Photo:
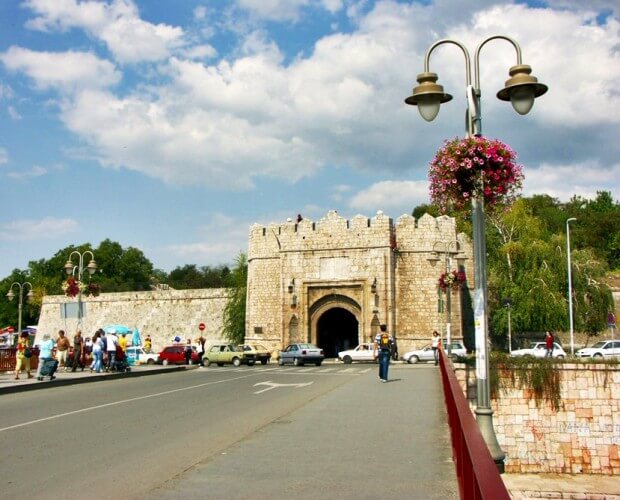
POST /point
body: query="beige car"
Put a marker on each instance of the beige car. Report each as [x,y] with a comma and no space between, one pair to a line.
[261,353]
[221,354]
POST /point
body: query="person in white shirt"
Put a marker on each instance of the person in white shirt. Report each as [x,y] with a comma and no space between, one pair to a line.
[111,343]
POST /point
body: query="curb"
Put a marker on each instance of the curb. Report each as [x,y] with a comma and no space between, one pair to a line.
[85,380]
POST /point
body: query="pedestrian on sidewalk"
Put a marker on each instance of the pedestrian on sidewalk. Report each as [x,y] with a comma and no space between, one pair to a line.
[549,344]
[201,349]
[97,362]
[188,352]
[62,348]
[111,341]
[22,356]
[78,351]
[46,349]
[383,351]
[436,345]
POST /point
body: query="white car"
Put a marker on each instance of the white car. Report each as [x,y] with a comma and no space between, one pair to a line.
[602,349]
[427,353]
[137,356]
[538,350]
[363,352]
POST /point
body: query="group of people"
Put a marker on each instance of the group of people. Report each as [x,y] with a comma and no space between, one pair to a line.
[101,352]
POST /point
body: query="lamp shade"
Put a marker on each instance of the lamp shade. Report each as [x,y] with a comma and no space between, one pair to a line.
[521,89]
[428,96]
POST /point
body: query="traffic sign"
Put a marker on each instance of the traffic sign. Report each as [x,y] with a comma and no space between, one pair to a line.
[202,326]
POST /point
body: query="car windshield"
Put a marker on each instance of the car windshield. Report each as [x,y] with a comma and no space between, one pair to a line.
[306,346]
[598,345]
[260,347]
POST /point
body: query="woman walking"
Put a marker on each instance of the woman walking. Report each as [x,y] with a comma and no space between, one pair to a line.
[97,362]
[22,357]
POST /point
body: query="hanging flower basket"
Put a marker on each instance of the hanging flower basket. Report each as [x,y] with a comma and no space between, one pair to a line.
[71,287]
[452,280]
[474,166]
[93,290]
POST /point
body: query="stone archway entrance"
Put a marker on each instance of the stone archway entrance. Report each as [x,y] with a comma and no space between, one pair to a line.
[336,330]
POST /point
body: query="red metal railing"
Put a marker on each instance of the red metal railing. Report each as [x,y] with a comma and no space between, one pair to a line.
[476,471]
[7,359]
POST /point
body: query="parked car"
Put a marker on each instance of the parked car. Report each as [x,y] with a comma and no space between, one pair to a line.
[363,352]
[427,354]
[299,354]
[538,350]
[175,355]
[603,349]
[222,354]
[137,356]
[261,353]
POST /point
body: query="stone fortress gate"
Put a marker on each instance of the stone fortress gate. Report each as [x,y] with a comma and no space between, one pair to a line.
[333,282]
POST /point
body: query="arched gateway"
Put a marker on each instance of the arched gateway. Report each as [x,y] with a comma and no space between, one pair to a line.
[334,281]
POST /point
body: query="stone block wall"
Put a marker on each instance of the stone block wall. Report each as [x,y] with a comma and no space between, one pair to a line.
[162,314]
[583,436]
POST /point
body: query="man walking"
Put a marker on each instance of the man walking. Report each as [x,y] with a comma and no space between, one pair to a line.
[62,347]
[78,351]
[383,350]
[111,341]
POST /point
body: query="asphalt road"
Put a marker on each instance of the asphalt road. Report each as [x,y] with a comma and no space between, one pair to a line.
[203,433]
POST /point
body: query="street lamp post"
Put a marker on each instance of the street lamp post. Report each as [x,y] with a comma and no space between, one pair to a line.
[20,302]
[508,306]
[449,248]
[521,89]
[71,269]
[570,286]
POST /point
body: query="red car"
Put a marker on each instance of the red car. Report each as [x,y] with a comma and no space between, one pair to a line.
[175,355]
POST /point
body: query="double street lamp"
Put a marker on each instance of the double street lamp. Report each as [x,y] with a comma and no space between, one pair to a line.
[521,89]
[448,249]
[71,270]
[570,287]
[11,295]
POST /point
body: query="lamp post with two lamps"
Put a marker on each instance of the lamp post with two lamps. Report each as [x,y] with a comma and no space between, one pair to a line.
[570,287]
[521,89]
[10,295]
[71,269]
[448,249]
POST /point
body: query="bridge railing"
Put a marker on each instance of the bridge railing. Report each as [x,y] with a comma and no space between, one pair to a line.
[476,471]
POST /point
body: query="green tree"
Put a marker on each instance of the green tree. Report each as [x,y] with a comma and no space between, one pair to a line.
[234,313]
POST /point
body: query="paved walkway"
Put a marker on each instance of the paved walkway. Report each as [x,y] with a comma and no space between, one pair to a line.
[333,413]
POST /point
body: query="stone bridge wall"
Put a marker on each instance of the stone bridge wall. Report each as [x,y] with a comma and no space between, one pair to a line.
[582,437]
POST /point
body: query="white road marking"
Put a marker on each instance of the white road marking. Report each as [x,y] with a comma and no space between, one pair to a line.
[116,403]
[272,385]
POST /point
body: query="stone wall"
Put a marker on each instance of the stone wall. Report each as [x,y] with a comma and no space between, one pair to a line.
[583,436]
[162,314]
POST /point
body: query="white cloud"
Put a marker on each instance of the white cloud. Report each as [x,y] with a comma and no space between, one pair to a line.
[33,230]
[4,156]
[391,197]
[564,181]
[200,12]
[35,171]
[260,114]
[116,23]
[13,113]
[64,71]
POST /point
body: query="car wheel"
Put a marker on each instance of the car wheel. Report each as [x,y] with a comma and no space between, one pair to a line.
[206,361]
[150,362]
[263,361]
[597,355]
[413,360]
[560,356]
[280,361]
[318,363]
[165,362]
[298,362]
[347,360]
[236,362]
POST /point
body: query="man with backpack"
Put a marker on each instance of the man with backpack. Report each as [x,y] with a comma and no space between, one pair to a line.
[383,350]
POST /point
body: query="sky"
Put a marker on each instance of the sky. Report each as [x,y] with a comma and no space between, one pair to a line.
[174,125]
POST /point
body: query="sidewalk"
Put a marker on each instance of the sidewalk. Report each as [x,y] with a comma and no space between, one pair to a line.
[8,384]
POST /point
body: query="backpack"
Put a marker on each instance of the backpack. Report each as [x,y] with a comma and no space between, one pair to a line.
[384,341]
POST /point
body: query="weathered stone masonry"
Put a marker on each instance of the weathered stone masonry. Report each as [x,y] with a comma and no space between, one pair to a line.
[376,270]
